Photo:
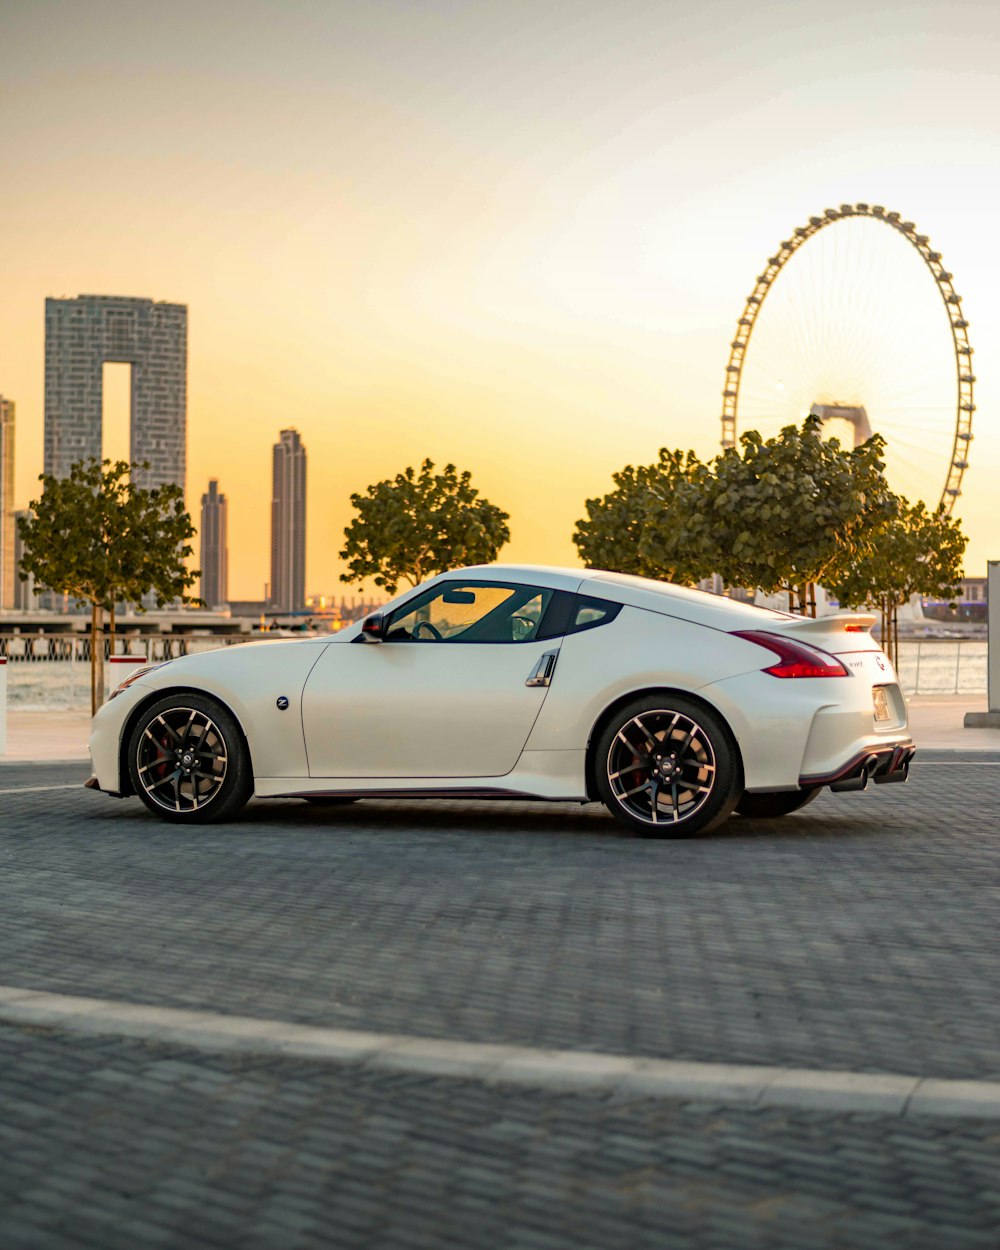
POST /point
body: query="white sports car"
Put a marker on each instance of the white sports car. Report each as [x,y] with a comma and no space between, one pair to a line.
[671,706]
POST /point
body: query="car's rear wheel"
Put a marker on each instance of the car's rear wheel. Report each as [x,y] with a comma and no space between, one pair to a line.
[188,761]
[668,767]
[768,806]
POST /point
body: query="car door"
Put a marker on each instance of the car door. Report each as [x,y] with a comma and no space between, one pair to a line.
[453,690]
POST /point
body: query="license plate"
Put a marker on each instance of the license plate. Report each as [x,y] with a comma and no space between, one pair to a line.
[883,709]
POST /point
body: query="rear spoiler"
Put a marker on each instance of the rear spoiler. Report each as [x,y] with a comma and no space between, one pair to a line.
[841,622]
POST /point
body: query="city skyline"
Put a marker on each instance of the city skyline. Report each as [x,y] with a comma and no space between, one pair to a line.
[8,559]
[287,586]
[84,334]
[213,533]
[471,254]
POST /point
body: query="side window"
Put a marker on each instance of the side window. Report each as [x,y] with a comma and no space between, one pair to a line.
[471,612]
[527,618]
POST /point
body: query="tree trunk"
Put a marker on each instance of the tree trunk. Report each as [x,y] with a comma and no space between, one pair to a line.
[111,631]
[811,592]
[885,611]
[96,657]
[895,634]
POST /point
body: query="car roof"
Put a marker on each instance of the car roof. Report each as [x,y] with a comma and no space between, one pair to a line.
[639,592]
[547,575]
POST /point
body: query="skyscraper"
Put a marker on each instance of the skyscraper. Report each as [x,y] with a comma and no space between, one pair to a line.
[214,548]
[288,523]
[24,592]
[81,335]
[8,573]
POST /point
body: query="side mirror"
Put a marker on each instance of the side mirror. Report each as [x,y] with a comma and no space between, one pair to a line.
[373,628]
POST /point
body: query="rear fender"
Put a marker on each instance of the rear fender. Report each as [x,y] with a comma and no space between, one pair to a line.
[623,701]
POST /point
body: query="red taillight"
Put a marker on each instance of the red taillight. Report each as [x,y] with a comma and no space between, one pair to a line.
[795,659]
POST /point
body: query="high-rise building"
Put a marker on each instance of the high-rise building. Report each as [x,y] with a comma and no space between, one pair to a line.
[8,567]
[288,524]
[214,548]
[81,335]
[24,592]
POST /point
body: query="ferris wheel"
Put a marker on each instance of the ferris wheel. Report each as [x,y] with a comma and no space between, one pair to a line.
[854,334]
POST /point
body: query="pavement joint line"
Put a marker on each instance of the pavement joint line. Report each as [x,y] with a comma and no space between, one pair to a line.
[13,761]
[568,1071]
[75,785]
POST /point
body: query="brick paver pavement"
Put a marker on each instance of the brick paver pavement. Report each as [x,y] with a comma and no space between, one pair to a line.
[115,1145]
[860,934]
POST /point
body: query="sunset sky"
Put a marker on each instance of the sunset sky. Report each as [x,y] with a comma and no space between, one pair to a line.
[513,235]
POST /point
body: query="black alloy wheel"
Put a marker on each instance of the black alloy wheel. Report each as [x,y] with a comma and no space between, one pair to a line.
[775,803]
[188,761]
[668,767]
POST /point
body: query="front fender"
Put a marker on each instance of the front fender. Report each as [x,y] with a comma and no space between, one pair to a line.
[247,679]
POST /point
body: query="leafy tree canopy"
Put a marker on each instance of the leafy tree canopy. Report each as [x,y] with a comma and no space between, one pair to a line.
[788,511]
[414,526]
[920,553]
[638,527]
[96,536]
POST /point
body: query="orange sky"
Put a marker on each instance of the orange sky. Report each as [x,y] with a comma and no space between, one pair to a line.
[512,235]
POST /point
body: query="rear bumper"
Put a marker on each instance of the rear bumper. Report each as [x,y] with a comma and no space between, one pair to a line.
[882,764]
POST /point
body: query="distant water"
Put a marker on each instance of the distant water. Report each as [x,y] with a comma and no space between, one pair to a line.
[926,666]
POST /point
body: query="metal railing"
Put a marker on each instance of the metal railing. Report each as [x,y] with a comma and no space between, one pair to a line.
[942,665]
[53,671]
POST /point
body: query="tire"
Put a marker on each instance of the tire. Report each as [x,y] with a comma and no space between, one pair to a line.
[188,761]
[667,767]
[776,803]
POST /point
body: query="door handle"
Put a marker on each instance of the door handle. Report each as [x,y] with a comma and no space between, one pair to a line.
[541,674]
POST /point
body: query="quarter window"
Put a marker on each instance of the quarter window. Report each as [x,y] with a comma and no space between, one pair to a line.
[572,614]
[591,612]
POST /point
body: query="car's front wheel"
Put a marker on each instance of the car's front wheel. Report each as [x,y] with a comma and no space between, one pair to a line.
[188,761]
[668,767]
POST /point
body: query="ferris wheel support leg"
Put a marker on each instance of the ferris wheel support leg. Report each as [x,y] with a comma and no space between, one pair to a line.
[991,718]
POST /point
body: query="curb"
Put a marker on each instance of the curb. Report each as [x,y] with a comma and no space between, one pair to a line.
[567,1071]
[965,755]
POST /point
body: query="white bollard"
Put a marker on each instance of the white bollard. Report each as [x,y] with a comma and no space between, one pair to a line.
[117,668]
[3,705]
[990,719]
[993,645]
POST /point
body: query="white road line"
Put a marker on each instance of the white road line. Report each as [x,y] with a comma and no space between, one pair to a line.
[565,1070]
[73,785]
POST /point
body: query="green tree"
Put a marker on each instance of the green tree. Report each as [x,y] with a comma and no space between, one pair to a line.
[784,513]
[411,527]
[920,552]
[639,526]
[97,537]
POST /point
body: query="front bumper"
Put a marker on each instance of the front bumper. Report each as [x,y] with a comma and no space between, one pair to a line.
[105,741]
